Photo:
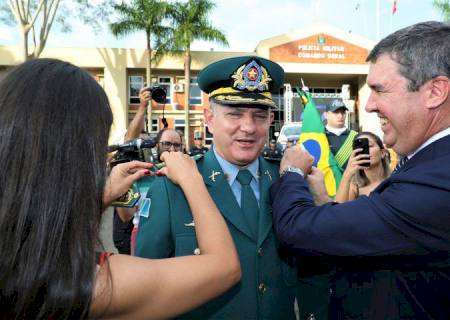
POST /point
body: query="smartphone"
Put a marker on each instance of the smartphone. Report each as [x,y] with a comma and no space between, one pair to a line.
[362,143]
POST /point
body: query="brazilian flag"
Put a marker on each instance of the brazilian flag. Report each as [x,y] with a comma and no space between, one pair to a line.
[315,141]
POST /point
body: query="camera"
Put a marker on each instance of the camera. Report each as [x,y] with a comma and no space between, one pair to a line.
[158,93]
[131,150]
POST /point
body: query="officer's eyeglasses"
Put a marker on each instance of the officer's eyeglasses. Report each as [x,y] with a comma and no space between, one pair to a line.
[168,144]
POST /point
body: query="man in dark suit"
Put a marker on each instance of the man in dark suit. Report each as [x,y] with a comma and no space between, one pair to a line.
[392,248]
[238,180]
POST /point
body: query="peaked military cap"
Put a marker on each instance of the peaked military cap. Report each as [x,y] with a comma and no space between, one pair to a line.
[335,105]
[247,80]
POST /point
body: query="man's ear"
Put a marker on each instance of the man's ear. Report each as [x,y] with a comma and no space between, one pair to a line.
[271,116]
[208,115]
[437,91]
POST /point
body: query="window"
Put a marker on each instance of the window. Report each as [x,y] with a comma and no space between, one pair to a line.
[155,125]
[195,94]
[165,82]
[208,137]
[135,84]
[179,125]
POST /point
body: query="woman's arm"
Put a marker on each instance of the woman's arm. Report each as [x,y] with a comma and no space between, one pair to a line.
[345,192]
[164,288]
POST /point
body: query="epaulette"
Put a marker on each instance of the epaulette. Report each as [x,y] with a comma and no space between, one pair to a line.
[198,157]
[273,160]
[163,164]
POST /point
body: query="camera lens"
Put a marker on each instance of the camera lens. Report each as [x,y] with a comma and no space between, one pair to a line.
[158,94]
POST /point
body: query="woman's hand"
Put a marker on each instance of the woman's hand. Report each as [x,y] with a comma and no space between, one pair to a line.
[121,178]
[356,162]
[179,167]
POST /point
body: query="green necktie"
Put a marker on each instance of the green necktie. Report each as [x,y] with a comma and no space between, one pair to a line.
[249,204]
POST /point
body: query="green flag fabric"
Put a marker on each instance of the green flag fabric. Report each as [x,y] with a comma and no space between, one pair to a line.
[314,140]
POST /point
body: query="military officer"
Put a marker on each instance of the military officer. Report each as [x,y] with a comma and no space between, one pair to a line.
[238,180]
[198,147]
[272,152]
[340,138]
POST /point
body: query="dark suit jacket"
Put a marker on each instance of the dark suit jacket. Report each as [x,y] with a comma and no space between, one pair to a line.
[391,248]
[267,287]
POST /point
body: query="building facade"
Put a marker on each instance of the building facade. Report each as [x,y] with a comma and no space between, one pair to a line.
[329,61]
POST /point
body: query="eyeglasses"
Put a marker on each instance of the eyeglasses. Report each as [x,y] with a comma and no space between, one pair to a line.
[168,144]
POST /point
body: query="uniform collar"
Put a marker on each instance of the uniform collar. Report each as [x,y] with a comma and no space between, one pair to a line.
[231,170]
[336,131]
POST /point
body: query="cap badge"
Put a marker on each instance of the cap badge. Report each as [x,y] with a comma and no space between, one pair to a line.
[251,77]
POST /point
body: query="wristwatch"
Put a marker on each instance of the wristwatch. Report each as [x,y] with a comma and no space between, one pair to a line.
[292,169]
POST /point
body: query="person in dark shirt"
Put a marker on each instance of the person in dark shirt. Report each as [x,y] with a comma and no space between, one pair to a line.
[198,147]
[272,152]
[339,137]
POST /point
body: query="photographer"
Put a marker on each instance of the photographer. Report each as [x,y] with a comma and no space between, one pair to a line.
[123,217]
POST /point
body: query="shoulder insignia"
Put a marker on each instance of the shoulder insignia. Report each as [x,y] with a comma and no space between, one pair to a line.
[198,156]
[213,175]
[192,224]
[267,173]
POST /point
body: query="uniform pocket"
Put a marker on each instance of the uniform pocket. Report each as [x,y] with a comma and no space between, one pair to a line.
[186,245]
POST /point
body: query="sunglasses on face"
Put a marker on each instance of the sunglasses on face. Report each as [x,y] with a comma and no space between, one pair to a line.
[168,144]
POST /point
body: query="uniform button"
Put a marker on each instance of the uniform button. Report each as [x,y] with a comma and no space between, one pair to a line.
[197,251]
[260,252]
[262,288]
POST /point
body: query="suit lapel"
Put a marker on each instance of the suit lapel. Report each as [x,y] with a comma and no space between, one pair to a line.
[267,176]
[220,191]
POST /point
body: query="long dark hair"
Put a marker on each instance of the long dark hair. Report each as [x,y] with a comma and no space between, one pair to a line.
[54,126]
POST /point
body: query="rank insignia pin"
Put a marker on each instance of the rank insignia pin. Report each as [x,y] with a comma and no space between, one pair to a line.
[213,175]
[267,173]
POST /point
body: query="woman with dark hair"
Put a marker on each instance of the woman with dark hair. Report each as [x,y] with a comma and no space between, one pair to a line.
[360,179]
[54,127]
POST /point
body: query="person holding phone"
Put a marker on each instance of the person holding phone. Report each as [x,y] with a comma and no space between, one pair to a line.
[367,167]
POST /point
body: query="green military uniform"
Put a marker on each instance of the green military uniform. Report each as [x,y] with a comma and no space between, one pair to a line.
[267,287]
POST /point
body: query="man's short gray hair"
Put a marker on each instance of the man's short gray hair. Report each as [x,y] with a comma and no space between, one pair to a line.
[421,50]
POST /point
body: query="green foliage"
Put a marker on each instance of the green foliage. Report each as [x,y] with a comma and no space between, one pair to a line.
[444,7]
[36,18]
[144,15]
[191,23]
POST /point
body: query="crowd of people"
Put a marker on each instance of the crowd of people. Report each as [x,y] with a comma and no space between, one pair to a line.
[239,230]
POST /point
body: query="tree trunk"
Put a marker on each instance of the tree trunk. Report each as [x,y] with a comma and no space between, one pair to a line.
[187,90]
[149,81]
[25,44]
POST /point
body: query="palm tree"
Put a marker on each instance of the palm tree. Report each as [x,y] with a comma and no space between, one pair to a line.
[148,16]
[444,7]
[190,23]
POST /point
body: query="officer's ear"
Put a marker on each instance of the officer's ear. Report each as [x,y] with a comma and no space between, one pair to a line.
[208,115]
[272,116]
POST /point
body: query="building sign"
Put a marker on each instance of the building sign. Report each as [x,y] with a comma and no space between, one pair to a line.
[319,48]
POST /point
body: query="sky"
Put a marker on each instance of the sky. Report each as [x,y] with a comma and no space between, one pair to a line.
[246,22]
